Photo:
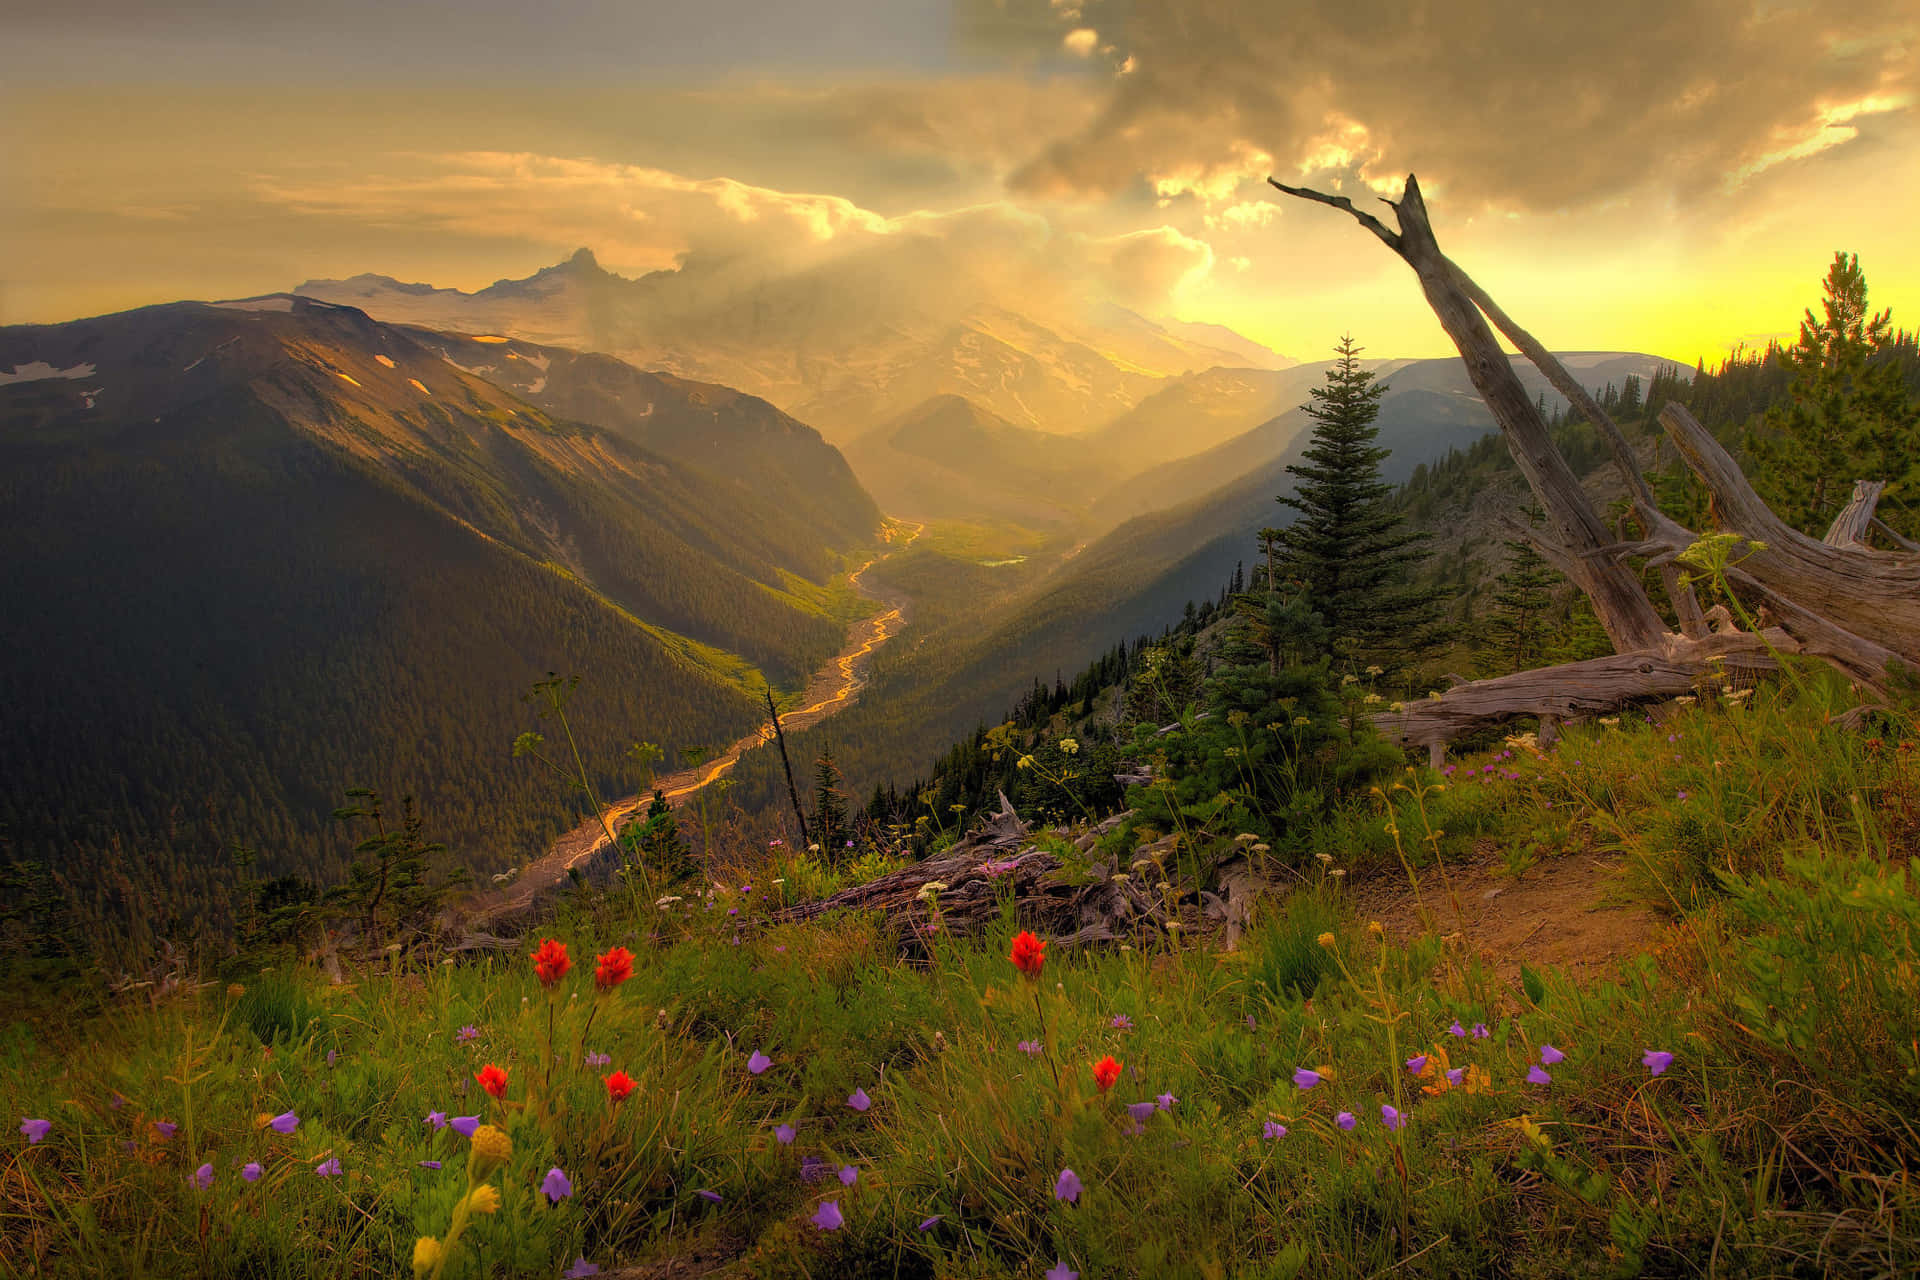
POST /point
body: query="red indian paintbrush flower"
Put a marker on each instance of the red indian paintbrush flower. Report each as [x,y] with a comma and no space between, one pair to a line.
[492,1079]
[613,968]
[1105,1072]
[619,1085]
[550,962]
[1029,953]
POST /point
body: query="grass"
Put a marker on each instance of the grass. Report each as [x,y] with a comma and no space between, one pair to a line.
[1780,1141]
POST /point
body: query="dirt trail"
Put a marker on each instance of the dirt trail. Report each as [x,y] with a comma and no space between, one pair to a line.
[833,688]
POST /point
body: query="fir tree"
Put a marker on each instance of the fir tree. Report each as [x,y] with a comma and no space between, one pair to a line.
[1516,631]
[1349,546]
[831,828]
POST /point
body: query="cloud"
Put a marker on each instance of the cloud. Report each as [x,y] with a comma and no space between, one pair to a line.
[1532,107]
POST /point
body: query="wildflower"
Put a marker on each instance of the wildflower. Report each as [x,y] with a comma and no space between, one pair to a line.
[333,1056]
[612,969]
[1273,1130]
[1456,1075]
[1656,1061]
[1029,953]
[619,1085]
[550,962]
[1067,1187]
[812,1169]
[1069,746]
[467,1034]
[1538,1075]
[848,1175]
[1121,1022]
[1251,1024]
[1550,1055]
[35,1130]
[1060,1271]
[203,1177]
[1165,1102]
[1480,1031]
[581,1268]
[828,1217]
[859,1100]
[1392,1117]
[491,1149]
[1457,1030]
[1141,1113]
[1119,877]
[1174,926]
[164,1129]
[1030,1046]
[1680,795]
[1327,940]
[492,1079]
[426,1256]
[1346,1121]
[1305,1078]
[1417,1063]
[928,1224]
[1105,1072]
[598,1059]
[251,1171]
[465,1126]
[285,1122]
[711,1197]
[484,1198]
[329,1168]
[784,1134]
[555,1185]
[428,1164]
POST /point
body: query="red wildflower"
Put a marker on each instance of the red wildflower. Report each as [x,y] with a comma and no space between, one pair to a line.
[492,1079]
[613,968]
[1029,953]
[1105,1072]
[550,962]
[619,1085]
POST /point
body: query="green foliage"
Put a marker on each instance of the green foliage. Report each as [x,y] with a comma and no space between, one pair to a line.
[1515,633]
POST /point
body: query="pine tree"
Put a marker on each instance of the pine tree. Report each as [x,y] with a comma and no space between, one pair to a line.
[1349,546]
[831,827]
[1849,417]
[1516,631]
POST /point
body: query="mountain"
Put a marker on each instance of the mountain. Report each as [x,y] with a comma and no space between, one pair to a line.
[261,551]
[847,345]
[949,458]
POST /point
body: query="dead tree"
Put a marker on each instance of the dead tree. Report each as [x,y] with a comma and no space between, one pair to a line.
[1855,607]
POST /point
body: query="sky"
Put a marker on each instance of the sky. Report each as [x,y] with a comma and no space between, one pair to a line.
[1669,176]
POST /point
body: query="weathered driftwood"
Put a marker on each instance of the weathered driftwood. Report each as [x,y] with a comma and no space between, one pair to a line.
[1849,528]
[998,859]
[1857,608]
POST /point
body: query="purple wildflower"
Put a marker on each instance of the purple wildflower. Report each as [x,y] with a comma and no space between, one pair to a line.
[329,1168]
[1550,1055]
[35,1130]
[165,1128]
[580,1270]
[429,1164]
[465,1125]
[928,1224]
[1272,1130]
[827,1217]
[333,1056]
[759,1062]
[1029,1046]
[556,1186]
[812,1169]
[1656,1061]
[203,1177]
[1455,1076]
[1392,1116]
[1121,1022]
[1165,1101]
[1141,1113]
[784,1134]
[438,1119]
[1346,1121]
[467,1034]
[1680,795]
[848,1175]
[1067,1187]
[285,1122]
[1251,1024]
[711,1197]
[1060,1271]
[1417,1063]
[1480,1031]
[598,1059]
[859,1100]
[1305,1078]
[1457,1030]
[1538,1075]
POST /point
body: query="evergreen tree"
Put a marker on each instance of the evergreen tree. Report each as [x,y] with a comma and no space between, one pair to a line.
[1516,631]
[831,826]
[1849,416]
[1349,546]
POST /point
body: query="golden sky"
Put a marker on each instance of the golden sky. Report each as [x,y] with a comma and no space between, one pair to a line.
[1669,177]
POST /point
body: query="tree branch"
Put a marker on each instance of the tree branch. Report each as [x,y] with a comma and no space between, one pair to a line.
[1366,220]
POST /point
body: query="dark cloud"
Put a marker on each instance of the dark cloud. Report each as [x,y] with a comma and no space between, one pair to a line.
[1532,106]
